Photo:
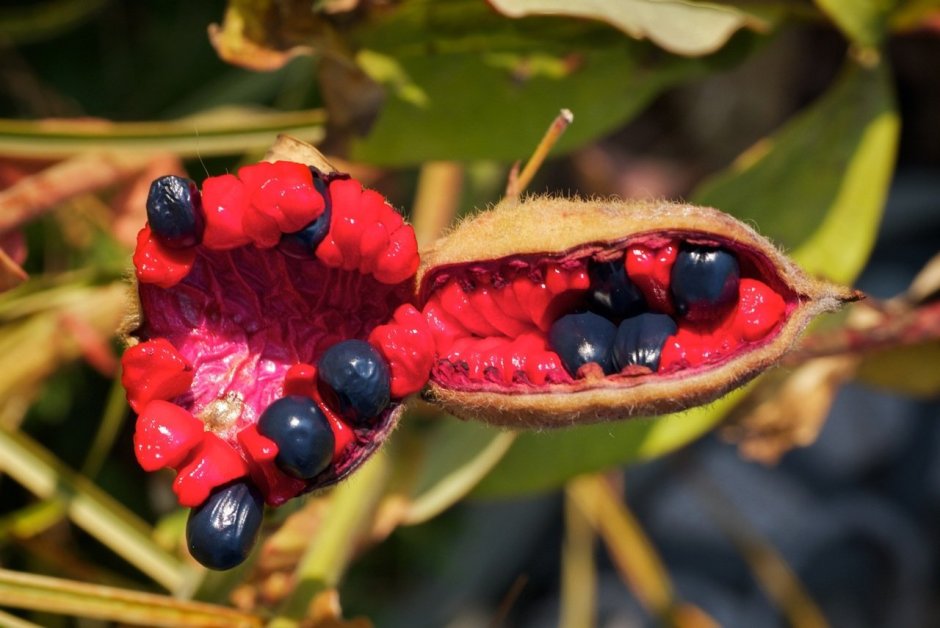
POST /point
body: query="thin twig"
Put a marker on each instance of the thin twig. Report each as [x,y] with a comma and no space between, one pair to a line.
[555,130]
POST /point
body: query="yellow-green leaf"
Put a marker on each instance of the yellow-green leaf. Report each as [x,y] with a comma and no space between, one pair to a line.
[819,184]
[680,26]
[55,595]
[540,461]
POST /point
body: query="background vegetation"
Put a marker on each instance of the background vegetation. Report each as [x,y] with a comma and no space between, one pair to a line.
[795,116]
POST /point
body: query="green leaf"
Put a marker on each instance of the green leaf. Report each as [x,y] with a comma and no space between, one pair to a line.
[863,21]
[819,184]
[679,26]
[496,106]
[55,595]
[541,461]
[458,455]
[222,131]
[89,507]
[913,370]
[463,82]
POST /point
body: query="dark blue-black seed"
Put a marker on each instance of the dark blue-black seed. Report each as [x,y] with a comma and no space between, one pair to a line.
[302,433]
[612,293]
[221,532]
[302,244]
[640,340]
[704,280]
[357,378]
[174,211]
[579,339]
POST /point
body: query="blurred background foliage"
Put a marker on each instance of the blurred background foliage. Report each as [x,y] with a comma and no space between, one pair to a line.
[815,121]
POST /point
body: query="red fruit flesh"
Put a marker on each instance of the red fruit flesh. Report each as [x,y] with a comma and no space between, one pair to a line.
[489,321]
[240,325]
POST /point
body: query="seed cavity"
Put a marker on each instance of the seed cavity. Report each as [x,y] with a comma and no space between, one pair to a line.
[652,305]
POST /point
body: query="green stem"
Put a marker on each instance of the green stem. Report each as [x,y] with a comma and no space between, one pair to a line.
[351,511]
[90,508]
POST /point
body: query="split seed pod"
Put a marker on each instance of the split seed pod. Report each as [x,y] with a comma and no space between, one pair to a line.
[284,263]
[479,286]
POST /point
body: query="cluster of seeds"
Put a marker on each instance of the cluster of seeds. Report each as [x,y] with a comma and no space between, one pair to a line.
[652,305]
[284,318]
[273,355]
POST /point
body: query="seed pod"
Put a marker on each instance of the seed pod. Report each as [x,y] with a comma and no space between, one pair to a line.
[492,287]
[292,259]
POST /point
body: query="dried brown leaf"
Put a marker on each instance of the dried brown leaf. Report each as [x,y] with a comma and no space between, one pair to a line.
[793,414]
[38,193]
[263,36]
[11,273]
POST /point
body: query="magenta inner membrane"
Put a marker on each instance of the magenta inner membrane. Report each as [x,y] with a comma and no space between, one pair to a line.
[243,317]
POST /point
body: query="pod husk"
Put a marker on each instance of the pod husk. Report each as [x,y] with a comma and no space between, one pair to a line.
[549,226]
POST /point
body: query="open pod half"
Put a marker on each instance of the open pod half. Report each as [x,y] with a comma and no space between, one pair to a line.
[551,312]
[263,355]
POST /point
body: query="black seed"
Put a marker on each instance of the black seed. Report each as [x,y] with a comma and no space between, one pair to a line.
[174,211]
[302,433]
[221,532]
[640,340]
[302,244]
[703,281]
[612,293]
[354,374]
[579,339]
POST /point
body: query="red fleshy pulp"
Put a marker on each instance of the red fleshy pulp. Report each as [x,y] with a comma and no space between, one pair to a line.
[213,463]
[240,324]
[160,265]
[154,370]
[165,435]
[489,322]
[649,267]
[404,344]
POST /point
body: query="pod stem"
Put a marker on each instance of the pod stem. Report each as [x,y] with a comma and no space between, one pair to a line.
[519,181]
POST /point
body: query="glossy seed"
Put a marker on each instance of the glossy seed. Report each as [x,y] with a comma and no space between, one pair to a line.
[302,244]
[221,532]
[640,340]
[174,211]
[357,378]
[612,293]
[302,433]
[704,281]
[580,339]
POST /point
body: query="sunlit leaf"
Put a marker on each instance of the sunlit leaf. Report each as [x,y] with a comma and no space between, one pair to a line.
[819,184]
[540,461]
[55,595]
[490,107]
[471,84]
[680,26]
